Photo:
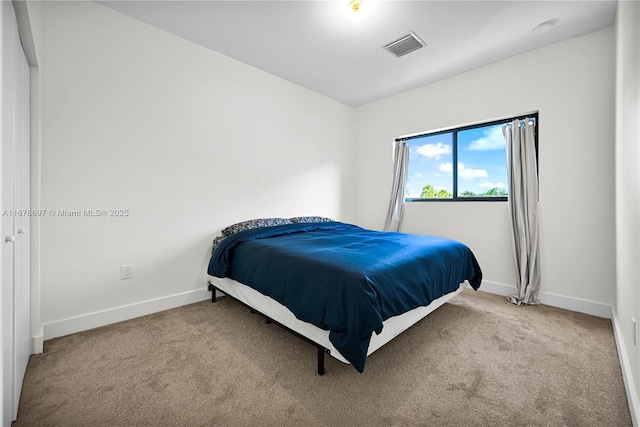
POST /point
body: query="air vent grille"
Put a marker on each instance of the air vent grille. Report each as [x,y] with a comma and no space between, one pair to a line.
[405,44]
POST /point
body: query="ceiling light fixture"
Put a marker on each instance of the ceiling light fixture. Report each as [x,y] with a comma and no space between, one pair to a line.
[355,5]
[545,27]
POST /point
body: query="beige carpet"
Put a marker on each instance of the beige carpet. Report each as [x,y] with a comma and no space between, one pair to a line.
[476,361]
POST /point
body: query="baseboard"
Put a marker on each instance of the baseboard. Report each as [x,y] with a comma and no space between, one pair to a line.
[119,314]
[569,303]
[627,375]
[37,344]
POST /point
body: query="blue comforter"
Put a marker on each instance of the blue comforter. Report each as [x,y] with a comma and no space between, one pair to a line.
[344,278]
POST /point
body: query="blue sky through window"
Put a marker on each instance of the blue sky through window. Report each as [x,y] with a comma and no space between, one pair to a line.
[482,163]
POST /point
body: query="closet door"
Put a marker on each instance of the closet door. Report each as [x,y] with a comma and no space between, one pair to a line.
[21,231]
[8,153]
[16,346]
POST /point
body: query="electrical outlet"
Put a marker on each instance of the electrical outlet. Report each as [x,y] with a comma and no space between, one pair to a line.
[126,271]
[634,330]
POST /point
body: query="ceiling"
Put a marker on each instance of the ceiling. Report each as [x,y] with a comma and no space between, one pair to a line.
[327,48]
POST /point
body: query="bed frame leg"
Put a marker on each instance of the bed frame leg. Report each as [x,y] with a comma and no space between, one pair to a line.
[212,289]
[321,361]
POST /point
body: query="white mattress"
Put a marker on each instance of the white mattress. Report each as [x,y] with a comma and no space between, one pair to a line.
[393,326]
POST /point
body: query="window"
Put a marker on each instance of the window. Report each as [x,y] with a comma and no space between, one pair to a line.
[465,163]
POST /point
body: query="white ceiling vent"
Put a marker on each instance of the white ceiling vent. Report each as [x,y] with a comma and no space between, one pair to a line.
[405,44]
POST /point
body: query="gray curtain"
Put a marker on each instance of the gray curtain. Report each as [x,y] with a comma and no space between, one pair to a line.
[396,204]
[522,173]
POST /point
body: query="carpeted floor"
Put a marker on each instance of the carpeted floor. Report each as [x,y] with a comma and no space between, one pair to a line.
[476,361]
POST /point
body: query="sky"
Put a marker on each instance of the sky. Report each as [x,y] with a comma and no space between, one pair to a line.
[482,161]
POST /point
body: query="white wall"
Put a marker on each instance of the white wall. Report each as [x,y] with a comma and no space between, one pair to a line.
[138,119]
[2,65]
[571,84]
[187,140]
[628,193]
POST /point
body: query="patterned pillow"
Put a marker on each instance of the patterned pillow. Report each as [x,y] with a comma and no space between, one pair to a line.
[216,243]
[311,219]
[254,223]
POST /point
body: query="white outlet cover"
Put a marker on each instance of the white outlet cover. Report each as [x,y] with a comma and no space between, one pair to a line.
[126,271]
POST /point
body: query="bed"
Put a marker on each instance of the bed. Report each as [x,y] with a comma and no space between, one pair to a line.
[346,289]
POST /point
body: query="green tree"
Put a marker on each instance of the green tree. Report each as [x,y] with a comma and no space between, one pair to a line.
[428,192]
[443,194]
[495,192]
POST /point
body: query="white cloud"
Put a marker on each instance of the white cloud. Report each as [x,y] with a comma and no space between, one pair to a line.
[467,173]
[492,185]
[463,172]
[492,140]
[418,175]
[445,167]
[434,151]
